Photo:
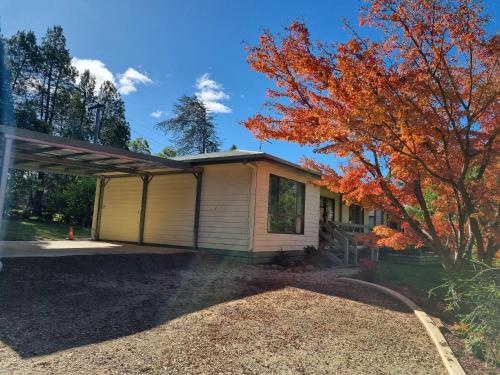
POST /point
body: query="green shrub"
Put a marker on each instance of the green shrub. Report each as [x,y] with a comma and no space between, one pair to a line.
[366,269]
[281,259]
[310,251]
[474,297]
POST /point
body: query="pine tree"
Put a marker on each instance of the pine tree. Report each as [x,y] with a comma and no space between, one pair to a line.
[115,130]
[23,60]
[192,128]
[56,73]
[47,98]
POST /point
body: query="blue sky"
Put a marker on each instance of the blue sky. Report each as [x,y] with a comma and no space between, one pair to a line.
[156,51]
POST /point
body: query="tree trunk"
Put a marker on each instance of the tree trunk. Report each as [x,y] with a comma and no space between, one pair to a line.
[38,196]
[53,103]
[47,102]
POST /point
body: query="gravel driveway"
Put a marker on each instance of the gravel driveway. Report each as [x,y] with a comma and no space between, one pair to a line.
[187,314]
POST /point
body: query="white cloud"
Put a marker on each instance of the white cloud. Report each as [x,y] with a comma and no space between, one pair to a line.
[211,94]
[96,67]
[127,81]
[156,114]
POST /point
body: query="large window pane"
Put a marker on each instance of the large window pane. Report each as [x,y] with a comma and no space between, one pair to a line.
[286,206]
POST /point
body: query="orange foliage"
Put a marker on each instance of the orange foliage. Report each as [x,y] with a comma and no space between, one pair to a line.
[416,114]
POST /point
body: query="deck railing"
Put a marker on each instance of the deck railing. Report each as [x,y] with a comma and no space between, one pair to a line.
[352,228]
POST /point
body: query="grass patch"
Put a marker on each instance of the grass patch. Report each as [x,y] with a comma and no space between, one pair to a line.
[423,277]
[30,230]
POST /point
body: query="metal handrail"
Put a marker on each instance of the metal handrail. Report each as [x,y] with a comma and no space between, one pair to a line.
[345,241]
[353,228]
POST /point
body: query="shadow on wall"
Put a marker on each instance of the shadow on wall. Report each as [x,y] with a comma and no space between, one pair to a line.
[52,304]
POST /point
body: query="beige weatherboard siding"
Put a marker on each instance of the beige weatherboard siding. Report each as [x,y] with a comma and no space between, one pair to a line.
[121,209]
[234,201]
[170,210]
[264,241]
[225,207]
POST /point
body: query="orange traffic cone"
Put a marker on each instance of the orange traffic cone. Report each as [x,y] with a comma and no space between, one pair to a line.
[70,234]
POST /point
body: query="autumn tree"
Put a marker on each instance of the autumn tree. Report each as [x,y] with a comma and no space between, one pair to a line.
[415,112]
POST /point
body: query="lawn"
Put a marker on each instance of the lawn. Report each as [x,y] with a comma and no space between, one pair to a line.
[30,230]
[423,277]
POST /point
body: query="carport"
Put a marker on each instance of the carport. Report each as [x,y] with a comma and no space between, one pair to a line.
[33,151]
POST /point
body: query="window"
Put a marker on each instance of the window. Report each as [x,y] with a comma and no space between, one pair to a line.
[372,218]
[356,214]
[286,206]
[327,209]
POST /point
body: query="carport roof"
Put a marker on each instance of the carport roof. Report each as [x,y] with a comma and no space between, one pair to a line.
[36,151]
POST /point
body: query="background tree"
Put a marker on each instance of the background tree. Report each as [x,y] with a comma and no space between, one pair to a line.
[167,152]
[23,59]
[415,112]
[5,95]
[56,74]
[140,145]
[233,147]
[192,128]
[78,121]
[115,130]
[78,196]
[47,97]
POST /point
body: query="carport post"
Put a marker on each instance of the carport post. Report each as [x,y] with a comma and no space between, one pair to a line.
[102,184]
[6,152]
[197,207]
[340,208]
[145,182]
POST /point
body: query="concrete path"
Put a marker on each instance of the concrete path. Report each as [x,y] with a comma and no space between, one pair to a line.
[16,249]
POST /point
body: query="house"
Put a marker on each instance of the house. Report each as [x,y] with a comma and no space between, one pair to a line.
[242,203]
[239,203]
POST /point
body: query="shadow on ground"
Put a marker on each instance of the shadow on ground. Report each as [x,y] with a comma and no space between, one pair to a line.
[52,304]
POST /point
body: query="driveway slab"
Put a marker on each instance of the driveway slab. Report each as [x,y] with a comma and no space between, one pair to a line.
[17,249]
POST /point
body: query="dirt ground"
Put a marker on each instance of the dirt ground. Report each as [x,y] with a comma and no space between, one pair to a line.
[189,314]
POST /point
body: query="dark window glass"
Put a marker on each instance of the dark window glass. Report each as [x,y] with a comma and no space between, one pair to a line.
[356,214]
[371,221]
[286,206]
[327,209]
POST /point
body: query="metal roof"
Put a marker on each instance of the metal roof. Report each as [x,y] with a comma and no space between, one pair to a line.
[36,151]
[218,155]
[236,156]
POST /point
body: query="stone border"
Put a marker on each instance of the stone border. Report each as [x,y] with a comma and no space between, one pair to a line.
[449,360]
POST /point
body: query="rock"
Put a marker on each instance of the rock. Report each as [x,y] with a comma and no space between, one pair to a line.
[310,268]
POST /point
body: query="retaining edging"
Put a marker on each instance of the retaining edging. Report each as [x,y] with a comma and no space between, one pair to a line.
[449,360]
